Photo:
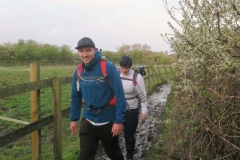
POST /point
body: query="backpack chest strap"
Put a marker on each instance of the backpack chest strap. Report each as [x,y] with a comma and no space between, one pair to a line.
[134,79]
[103,67]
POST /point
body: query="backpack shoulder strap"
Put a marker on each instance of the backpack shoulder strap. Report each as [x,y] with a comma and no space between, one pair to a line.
[103,66]
[79,72]
[135,78]
[119,72]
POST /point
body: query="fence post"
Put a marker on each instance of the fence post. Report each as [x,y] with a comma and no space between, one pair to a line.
[160,73]
[171,70]
[152,76]
[148,80]
[166,72]
[35,110]
[57,119]
[155,75]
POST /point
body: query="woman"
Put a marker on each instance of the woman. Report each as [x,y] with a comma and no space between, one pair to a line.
[134,90]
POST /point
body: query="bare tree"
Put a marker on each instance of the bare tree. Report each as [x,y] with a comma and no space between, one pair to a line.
[146,48]
[124,48]
[137,47]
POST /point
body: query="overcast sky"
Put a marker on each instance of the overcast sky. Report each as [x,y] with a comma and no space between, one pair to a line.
[110,23]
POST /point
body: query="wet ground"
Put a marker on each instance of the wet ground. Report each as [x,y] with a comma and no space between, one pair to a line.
[146,132]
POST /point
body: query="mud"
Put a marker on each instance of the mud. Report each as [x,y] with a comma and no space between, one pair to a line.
[146,132]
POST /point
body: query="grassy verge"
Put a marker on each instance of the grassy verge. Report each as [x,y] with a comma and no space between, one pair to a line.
[157,151]
[152,88]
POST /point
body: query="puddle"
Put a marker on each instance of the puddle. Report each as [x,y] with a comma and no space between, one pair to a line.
[146,132]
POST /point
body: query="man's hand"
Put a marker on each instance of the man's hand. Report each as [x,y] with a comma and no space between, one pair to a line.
[117,129]
[143,117]
[73,127]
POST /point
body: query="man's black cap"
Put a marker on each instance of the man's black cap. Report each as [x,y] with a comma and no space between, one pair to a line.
[126,61]
[85,42]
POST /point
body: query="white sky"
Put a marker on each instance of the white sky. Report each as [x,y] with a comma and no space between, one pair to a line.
[109,23]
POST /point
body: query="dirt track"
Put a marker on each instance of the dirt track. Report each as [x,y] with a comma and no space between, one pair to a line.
[147,131]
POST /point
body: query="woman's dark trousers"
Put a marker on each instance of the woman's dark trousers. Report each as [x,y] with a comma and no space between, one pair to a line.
[130,127]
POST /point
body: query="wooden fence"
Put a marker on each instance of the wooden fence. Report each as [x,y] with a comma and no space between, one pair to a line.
[155,75]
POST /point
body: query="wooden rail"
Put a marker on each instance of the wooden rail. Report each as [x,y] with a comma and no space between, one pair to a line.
[28,129]
[30,86]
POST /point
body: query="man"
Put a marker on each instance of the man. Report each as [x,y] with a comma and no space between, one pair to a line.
[134,89]
[104,108]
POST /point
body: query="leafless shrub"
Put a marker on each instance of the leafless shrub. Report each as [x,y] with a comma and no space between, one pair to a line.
[204,120]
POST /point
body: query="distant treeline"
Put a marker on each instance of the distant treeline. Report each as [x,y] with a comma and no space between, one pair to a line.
[30,50]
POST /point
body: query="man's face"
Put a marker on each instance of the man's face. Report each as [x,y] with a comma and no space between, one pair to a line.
[124,70]
[87,54]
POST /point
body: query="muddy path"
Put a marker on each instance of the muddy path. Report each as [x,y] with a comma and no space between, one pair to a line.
[146,132]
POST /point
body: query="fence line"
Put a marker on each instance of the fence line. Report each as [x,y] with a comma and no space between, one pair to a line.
[155,75]
[71,63]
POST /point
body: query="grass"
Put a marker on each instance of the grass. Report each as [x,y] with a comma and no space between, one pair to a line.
[15,75]
[18,107]
[155,152]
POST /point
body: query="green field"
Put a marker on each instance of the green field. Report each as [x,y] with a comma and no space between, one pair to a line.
[18,107]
